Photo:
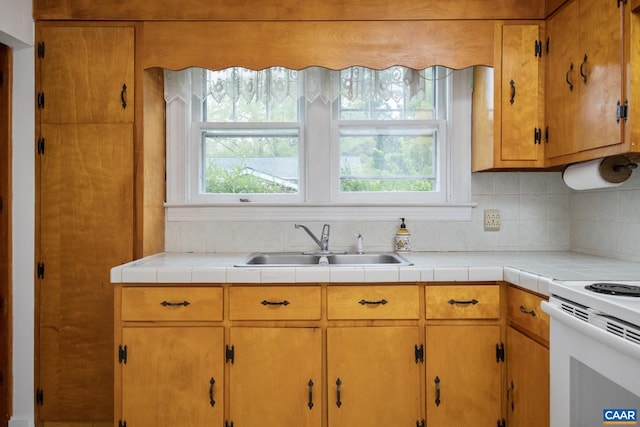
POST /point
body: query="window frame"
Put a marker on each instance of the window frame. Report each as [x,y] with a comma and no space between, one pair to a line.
[318,204]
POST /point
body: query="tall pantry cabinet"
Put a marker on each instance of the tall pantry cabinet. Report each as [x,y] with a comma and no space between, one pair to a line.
[84,212]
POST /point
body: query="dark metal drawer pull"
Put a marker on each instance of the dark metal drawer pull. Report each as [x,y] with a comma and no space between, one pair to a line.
[437,381]
[471,302]
[524,310]
[338,401]
[265,302]
[123,96]
[365,302]
[211,383]
[310,384]
[174,304]
[512,98]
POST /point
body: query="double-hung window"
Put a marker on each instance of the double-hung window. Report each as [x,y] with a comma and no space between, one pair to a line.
[317,138]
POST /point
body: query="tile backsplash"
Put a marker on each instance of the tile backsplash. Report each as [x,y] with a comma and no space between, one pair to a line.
[534,209]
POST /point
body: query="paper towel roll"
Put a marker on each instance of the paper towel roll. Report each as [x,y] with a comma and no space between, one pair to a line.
[599,173]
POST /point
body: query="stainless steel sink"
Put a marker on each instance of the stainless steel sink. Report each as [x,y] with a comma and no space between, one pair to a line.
[299,259]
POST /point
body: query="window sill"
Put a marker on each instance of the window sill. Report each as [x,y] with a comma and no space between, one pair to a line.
[317,212]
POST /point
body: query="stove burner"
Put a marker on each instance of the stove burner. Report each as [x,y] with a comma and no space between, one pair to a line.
[616,289]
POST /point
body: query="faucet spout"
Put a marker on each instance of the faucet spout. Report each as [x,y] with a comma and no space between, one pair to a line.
[323,241]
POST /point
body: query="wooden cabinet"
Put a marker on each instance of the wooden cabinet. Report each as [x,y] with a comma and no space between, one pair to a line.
[527,360]
[585,81]
[84,213]
[169,372]
[275,378]
[508,107]
[275,374]
[463,355]
[373,372]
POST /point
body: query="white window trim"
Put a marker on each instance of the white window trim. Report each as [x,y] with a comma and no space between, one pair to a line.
[457,207]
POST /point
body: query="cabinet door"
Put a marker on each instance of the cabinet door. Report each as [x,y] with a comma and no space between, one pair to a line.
[86,74]
[600,72]
[527,381]
[173,376]
[373,377]
[463,376]
[276,377]
[561,80]
[85,219]
[521,94]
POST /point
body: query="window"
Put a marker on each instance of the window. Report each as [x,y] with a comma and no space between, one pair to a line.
[317,138]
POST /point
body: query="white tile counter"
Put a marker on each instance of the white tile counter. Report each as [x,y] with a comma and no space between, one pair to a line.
[531,270]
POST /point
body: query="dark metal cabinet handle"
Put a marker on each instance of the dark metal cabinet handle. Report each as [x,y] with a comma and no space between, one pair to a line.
[582,67]
[510,396]
[365,302]
[211,383]
[338,401]
[265,302]
[525,310]
[512,99]
[123,96]
[310,404]
[566,77]
[457,302]
[174,304]
[437,381]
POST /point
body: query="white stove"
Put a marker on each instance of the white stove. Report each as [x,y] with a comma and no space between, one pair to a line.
[594,352]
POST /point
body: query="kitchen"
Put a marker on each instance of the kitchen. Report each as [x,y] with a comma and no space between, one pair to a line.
[541,213]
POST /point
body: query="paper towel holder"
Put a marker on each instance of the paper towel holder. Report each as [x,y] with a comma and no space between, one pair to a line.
[605,172]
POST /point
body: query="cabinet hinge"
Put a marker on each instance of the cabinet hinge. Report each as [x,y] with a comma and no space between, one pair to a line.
[546,135]
[1,79]
[40,145]
[40,270]
[39,397]
[537,136]
[1,204]
[228,423]
[502,423]
[41,50]
[122,354]
[421,423]
[122,423]
[230,354]
[419,353]
[499,352]
[622,111]
[40,100]
[538,49]
[547,45]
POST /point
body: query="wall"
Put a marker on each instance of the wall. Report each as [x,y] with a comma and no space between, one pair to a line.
[606,222]
[534,209]
[16,31]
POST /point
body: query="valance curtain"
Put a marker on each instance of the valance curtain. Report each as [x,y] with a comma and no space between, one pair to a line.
[354,83]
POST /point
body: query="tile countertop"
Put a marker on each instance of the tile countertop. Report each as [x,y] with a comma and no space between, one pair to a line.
[531,270]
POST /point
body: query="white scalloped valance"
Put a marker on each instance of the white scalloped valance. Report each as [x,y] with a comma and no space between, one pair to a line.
[312,83]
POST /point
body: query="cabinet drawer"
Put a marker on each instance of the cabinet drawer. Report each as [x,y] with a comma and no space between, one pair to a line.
[463,302]
[523,309]
[172,304]
[274,303]
[372,302]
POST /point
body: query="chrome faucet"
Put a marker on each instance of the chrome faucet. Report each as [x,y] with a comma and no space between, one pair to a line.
[323,241]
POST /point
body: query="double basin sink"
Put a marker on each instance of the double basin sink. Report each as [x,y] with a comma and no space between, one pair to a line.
[301,259]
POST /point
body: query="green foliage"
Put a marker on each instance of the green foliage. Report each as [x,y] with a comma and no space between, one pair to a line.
[238,181]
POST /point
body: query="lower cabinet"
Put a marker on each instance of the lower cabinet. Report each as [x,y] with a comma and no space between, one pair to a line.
[373,376]
[464,355]
[173,376]
[328,356]
[275,377]
[527,360]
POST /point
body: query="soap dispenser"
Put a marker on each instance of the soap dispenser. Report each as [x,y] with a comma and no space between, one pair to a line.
[403,243]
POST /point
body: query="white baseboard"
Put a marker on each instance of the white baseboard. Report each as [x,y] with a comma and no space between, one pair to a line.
[21,422]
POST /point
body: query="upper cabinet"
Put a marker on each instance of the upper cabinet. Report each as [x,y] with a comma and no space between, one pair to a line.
[508,102]
[79,82]
[587,102]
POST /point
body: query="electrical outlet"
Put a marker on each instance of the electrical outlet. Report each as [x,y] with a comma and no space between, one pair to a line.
[491,220]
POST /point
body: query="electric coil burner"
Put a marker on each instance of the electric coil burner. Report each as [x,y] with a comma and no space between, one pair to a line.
[617,289]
